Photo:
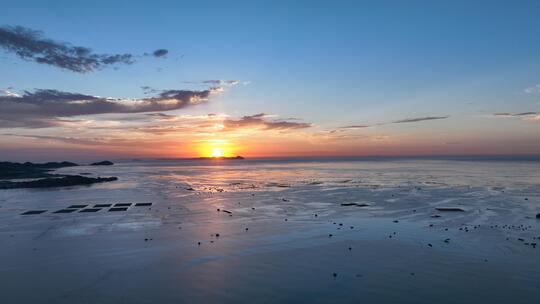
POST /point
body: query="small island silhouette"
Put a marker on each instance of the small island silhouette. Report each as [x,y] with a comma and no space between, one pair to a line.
[32,175]
[219,157]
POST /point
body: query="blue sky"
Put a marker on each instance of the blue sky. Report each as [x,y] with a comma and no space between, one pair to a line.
[330,63]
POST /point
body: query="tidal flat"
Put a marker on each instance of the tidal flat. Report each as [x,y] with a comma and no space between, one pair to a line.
[269,231]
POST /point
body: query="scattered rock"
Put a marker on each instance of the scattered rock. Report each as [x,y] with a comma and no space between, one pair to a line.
[450,209]
[355,204]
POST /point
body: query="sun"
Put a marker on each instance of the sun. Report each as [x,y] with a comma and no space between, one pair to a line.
[217,152]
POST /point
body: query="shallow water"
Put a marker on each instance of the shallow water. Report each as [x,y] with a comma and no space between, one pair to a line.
[391,251]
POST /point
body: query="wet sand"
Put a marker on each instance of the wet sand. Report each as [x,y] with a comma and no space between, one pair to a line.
[287,238]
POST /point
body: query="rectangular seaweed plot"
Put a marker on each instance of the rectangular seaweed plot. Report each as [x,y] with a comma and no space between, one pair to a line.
[65,211]
[77,206]
[30,212]
[102,205]
[122,205]
[90,210]
[143,204]
[118,209]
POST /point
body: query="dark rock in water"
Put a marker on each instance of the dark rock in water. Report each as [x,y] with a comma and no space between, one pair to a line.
[143,204]
[450,209]
[30,212]
[102,163]
[77,206]
[227,211]
[65,211]
[355,204]
[538,215]
[430,245]
[334,274]
[122,205]
[102,205]
[69,180]
[90,210]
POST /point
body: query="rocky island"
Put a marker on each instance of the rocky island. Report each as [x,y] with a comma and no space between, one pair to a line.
[238,157]
[31,175]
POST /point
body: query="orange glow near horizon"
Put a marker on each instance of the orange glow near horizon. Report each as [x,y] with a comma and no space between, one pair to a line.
[216,148]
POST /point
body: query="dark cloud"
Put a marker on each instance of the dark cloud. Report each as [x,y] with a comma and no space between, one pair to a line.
[417,119]
[516,114]
[160,52]
[353,127]
[44,108]
[259,121]
[29,44]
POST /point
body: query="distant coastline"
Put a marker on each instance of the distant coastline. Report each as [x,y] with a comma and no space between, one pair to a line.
[238,157]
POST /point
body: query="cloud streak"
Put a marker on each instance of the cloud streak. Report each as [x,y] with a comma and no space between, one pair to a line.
[260,121]
[506,114]
[418,119]
[528,116]
[31,45]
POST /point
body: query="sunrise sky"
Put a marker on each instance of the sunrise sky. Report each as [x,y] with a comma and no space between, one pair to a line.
[95,79]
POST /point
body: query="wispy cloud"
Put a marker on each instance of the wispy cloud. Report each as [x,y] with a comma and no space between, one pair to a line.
[68,140]
[162,116]
[418,119]
[260,121]
[532,90]
[44,108]
[30,44]
[506,114]
[529,116]
[354,127]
